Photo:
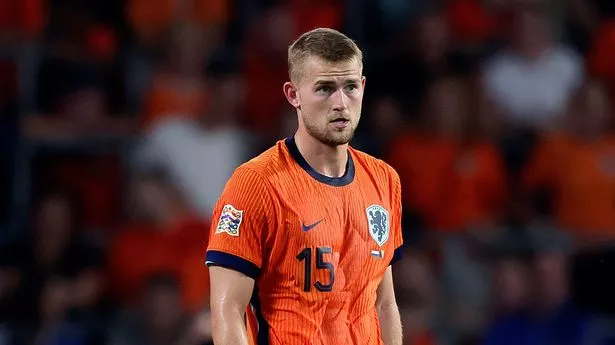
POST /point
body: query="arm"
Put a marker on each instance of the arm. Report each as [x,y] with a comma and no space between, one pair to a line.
[388,313]
[230,295]
[235,253]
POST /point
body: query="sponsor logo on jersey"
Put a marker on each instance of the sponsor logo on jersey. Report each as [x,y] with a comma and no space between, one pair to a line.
[230,220]
[307,228]
[378,222]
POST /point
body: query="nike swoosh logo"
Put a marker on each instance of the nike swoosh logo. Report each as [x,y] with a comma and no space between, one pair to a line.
[307,228]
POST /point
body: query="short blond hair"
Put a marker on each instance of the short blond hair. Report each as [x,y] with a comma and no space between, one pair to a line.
[327,44]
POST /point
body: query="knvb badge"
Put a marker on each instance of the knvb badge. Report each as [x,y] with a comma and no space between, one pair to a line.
[378,223]
[230,220]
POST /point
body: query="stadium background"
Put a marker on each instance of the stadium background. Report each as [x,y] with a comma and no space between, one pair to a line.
[120,121]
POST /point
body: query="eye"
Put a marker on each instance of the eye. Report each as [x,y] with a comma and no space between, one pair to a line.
[351,87]
[324,89]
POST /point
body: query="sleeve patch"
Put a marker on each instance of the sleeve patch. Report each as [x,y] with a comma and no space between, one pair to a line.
[230,220]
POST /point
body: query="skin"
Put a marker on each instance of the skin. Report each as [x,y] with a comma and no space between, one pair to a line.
[230,295]
[388,311]
[324,92]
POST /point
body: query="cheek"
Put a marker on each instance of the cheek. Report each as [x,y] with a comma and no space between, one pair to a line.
[356,101]
[356,97]
[315,104]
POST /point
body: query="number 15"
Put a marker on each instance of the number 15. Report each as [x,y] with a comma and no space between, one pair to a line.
[306,255]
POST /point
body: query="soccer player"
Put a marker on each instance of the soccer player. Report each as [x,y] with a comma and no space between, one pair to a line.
[304,234]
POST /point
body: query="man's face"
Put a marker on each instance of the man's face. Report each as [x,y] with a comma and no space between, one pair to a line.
[329,96]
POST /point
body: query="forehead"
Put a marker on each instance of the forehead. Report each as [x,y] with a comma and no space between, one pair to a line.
[315,68]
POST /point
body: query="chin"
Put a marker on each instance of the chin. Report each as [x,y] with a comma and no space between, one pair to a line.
[331,137]
[336,139]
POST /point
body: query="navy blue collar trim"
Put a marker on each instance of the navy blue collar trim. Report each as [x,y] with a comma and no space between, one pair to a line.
[346,179]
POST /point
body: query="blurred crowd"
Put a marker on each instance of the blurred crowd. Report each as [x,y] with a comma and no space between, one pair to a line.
[120,121]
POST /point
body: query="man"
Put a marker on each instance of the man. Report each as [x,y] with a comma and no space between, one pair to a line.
[304,234]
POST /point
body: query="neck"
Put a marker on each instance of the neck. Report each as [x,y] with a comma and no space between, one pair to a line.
[326,160]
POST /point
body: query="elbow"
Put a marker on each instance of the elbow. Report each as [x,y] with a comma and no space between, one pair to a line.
[387,306]
[226,312]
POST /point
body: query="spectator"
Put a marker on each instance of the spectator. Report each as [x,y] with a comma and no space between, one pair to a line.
[153,19]
[159,319]
[179,88]
[420,56]
[171,235]
[550,319]
[532,80]
[57,268]
[418,298]
[188,148]
[573,168]
[454,178]
[511,288]
[79,84]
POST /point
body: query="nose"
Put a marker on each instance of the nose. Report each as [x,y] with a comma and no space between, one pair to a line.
[340,100]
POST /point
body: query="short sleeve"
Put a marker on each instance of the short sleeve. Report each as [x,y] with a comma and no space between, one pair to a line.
[240,224]
[396,229]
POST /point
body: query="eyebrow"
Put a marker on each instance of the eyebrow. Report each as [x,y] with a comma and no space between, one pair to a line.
[331,82]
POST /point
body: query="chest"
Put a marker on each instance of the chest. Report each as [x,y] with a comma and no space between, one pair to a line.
[336,234]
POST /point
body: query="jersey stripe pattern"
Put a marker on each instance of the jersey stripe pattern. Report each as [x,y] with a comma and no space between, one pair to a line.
[316,246]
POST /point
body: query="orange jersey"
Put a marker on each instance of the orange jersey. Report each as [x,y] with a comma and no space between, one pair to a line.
[316,246]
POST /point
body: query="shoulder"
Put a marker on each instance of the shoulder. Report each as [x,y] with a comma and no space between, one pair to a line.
[375,166]
[261,172]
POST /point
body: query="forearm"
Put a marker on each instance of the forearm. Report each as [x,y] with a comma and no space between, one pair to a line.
[390,324]
[229,327]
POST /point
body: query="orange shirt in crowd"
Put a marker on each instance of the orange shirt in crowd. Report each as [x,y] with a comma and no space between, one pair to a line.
[141,250]
[169,96]
[582,177]
[452,187]
[153,17]
[470,21]
[27,17]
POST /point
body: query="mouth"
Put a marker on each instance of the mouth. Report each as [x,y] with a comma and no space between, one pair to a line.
[340,123]
[340,120]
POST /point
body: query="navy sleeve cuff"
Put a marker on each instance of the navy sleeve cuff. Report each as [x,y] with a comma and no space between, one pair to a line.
[397,255]
[218,258]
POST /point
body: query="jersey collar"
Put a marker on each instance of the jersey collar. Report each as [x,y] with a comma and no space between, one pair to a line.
[344,180]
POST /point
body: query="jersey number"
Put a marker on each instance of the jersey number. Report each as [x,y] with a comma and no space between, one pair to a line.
[306,256]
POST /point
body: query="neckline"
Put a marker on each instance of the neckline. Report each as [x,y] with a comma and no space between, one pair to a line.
[344,180]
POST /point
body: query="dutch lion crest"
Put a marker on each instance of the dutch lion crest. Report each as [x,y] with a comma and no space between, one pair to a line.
[378,222]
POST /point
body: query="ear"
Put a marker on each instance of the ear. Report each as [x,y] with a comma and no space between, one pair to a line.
[292,95]
[362,82]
